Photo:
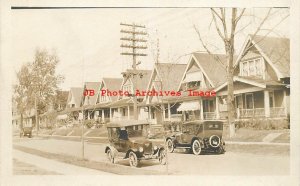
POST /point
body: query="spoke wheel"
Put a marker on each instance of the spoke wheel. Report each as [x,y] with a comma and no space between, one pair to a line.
[170,146]
[196,147]
[110,156]
[133,161]
[162,157]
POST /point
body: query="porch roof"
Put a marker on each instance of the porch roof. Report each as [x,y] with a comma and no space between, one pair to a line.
[189,106]
[121,102]
[254,81]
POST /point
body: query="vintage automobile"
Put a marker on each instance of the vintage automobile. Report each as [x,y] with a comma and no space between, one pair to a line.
[26,131]
[128,140]
[197,136]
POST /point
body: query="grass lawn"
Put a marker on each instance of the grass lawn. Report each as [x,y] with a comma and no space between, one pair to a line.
[252,135]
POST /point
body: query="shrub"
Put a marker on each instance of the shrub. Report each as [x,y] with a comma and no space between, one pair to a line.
[89,123]
[263,123]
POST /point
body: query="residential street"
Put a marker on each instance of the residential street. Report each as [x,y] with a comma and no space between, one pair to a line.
[230,163]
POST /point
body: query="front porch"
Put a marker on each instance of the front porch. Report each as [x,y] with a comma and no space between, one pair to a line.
[266,103]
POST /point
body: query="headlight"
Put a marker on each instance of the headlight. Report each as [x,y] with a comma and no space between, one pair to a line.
[155,148]
[141,149]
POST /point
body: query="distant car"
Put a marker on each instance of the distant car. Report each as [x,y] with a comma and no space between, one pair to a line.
[198,136]
[128,140]
[26,131]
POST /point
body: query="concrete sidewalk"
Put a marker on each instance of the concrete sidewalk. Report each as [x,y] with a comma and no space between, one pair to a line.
[55,166]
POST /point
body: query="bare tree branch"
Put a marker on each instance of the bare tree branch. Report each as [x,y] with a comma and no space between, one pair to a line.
[216,25]
[240,16]
[207,50]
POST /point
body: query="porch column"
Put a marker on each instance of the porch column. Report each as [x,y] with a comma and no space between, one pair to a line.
[164,113]
[128,107]
[217,108]
[285,106]
[169,112]
[102,115]
[201,110]
[184,116]
[149,114]
[110,114]
[267,103]
[119,111]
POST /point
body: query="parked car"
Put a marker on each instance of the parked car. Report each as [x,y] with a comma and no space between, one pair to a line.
[198,136]
[128,140]
[26,131]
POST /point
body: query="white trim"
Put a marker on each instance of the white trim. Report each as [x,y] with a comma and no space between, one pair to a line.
[184,73]
[235,78]
[204,71]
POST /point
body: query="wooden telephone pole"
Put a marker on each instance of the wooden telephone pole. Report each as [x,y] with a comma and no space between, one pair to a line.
[135,42]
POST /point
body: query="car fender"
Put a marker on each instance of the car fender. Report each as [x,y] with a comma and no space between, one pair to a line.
[131,150]
[114,151]
[196,138]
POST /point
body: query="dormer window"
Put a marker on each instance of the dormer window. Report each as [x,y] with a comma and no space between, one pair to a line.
[193,80]
[253,67]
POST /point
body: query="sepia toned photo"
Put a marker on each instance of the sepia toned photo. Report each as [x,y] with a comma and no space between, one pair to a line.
[139,91]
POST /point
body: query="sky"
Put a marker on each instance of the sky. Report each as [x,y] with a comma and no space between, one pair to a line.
[87,41]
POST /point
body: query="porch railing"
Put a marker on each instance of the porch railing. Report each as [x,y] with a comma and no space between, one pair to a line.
[277,112]
[246,113]
[260,112]
[209,115]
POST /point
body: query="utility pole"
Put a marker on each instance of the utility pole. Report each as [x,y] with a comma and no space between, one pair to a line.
[36,115]
[134,42]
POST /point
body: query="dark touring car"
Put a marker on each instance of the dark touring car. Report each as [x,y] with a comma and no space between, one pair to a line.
[198,136]
[128,140]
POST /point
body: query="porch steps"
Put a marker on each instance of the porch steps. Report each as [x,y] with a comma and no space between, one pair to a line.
[271,137]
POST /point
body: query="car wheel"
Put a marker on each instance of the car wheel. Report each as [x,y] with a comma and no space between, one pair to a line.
[133,160]
[221,150]
[196,147]
[162,157]
[110,156]
[170,145]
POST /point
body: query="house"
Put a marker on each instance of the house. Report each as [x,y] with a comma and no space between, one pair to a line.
[89,98]
[201,75]
[74,97]
[133,80]
[104,100]
[164,77]
[261,78]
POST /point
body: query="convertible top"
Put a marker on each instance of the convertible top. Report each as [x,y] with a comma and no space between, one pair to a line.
[126,123]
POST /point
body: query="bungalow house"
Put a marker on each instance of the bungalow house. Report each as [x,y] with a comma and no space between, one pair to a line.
[124,106]
[104,100]
[89,98]
[261,78]
[164,77]
[202,74]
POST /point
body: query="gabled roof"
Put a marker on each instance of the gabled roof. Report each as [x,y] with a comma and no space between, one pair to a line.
[113,84]
[170,75]
[275,50]
[212,69]
[76,94]
[91,86]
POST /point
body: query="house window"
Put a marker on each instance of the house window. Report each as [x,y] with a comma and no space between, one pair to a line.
[208,106]
[252,68]
[249,101]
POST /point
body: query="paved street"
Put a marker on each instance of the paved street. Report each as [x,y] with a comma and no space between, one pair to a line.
[230,163]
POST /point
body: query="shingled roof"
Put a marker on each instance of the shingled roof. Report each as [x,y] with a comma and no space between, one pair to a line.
[277,50]
[75,94]
[212,68]
[141,82]
[113,84]
[170,74]
[91,86]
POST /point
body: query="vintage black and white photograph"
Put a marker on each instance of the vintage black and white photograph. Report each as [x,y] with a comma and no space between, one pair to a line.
[151,91]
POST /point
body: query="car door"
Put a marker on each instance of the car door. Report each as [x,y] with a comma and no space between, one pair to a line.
[187,135]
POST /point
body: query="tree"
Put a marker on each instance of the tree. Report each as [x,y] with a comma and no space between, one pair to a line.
[226,26]
[37,82]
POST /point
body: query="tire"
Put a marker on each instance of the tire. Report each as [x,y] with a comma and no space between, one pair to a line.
[221,150]
[196,147]
[170,146]
[110,156]
[133,160]
[162,157]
